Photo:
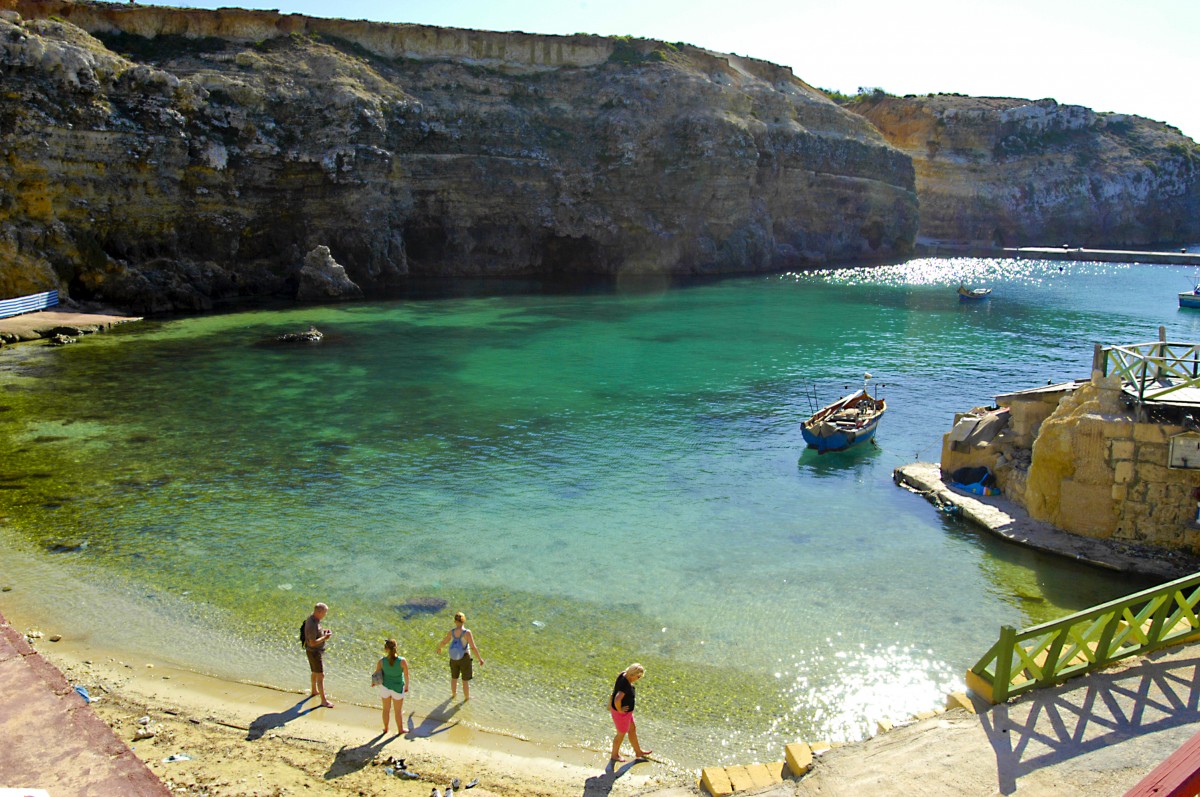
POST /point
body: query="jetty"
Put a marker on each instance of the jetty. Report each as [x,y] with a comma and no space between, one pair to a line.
[934,247]
[1178,258]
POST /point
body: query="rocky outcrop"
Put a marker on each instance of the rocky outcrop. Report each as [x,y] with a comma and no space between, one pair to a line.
[1014,172]
[323,279]
[163,159]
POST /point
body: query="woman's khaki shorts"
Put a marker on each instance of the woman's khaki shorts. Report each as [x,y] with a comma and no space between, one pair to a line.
[461,668]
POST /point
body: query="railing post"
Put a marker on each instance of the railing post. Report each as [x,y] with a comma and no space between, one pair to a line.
[1004,657]
[1099,361]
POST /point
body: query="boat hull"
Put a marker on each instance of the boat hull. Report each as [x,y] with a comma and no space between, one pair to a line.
[1189,299]
[977,295]
[839,441]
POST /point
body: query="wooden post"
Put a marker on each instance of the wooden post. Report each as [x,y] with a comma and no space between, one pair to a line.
[1098,360]
[1004,658]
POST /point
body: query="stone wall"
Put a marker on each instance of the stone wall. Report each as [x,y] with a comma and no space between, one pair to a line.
[1092,469]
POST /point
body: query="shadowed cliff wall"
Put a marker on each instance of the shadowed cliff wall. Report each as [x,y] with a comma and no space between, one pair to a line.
[162,158]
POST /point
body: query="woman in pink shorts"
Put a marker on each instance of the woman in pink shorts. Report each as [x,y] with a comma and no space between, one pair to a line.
[621,707]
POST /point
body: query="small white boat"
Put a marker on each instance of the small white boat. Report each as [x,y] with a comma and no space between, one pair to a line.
[966,294]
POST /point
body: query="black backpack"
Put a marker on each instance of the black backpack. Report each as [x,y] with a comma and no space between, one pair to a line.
[303,643]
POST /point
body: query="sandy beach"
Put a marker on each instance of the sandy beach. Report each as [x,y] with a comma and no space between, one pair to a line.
[255,740]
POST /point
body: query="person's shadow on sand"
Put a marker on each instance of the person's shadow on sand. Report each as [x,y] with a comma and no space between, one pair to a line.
[601,785]
[437,721]
[352,759]
[276,719]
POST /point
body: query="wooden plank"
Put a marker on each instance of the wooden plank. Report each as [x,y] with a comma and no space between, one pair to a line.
[1177,776]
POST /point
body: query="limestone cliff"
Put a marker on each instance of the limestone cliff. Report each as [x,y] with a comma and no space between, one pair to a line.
[1015,172]
[162,158]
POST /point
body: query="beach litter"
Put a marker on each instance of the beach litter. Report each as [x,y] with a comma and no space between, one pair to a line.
[171,759]
[83,692]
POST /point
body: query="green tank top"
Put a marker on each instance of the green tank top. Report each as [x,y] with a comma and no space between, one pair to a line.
[393,674]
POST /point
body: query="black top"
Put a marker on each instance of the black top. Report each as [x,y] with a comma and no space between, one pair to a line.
[623,685]
[312,634]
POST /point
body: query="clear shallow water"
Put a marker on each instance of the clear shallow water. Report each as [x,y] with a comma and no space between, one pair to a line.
[595,478]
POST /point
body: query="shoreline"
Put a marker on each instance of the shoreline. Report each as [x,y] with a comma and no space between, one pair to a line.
[70,322]
[243,736]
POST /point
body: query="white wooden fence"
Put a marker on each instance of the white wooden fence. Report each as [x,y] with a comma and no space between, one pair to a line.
[27,304]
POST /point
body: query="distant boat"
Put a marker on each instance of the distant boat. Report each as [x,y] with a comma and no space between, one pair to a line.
[966,294]
[847,422]
[1190,298]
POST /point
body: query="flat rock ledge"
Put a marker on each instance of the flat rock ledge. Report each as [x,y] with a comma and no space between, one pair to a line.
[49,323]
[1011,522]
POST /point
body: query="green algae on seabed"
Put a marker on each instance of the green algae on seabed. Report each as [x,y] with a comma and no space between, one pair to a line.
[621,471]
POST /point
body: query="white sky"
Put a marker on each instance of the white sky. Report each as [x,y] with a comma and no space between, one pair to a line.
[1128,56]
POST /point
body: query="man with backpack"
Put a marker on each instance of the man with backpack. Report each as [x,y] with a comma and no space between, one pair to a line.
[314,638]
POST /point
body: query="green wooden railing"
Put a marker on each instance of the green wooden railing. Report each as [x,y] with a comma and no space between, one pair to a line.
[1152,369]
[1050,653]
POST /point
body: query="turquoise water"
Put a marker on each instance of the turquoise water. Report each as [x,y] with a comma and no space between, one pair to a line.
[595,477]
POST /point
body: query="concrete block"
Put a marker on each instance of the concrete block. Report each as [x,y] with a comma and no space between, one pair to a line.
[820,748]
[883,726]
[960,700]
[1119,491]
[926,715]
[1123,472]
[739,778]
[760,774]
[715,781]
[1118,430]
[777,770]
[799,757]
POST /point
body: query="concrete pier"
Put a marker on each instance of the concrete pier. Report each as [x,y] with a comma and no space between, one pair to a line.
[1102,255]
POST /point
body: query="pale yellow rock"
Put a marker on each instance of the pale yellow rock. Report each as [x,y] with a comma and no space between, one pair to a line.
[819,748]
[1148,433]
[1121,449]
[883,726]
[1123,472]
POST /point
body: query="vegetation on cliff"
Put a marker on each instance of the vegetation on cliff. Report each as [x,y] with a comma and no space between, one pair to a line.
[160,159]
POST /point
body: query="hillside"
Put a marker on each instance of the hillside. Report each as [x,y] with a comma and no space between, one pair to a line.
[1019,172]
[160,159]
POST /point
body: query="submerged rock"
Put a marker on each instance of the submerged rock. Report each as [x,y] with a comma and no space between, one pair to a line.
[313,335]
[420,605]
[66,547]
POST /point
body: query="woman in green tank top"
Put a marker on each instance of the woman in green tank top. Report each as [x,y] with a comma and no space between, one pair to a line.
[392,679]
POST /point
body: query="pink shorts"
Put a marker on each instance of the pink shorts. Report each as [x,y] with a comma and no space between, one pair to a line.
[621,719]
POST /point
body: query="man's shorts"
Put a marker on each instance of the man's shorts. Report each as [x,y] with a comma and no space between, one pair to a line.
[315,663]
[461,668]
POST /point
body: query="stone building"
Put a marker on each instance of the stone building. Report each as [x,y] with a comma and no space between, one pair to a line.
[1096,458]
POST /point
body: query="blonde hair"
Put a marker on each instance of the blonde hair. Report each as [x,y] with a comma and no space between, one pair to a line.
[459,617]
[634,669]
[390,646]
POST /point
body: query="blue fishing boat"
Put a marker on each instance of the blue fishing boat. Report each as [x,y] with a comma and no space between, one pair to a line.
[1190,298]
[849,421]
[966,294]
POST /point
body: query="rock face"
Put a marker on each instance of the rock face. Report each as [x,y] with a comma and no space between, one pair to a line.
[159,159]
[1015,172]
